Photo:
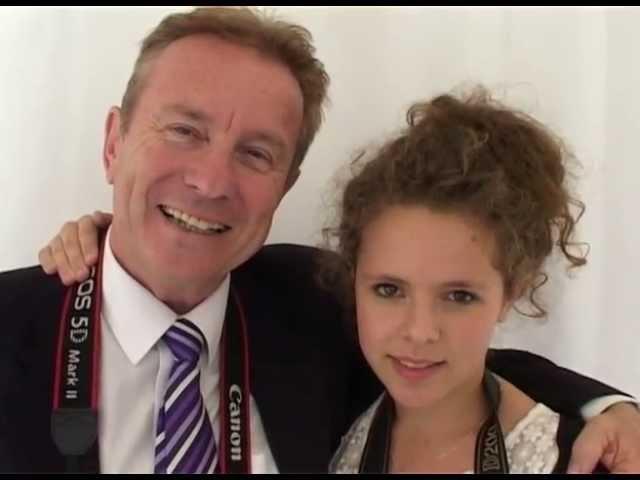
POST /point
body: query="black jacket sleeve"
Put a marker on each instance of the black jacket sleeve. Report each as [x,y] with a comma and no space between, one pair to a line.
[563,390]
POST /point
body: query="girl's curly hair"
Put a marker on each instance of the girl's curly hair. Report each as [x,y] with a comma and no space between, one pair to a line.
[472,156]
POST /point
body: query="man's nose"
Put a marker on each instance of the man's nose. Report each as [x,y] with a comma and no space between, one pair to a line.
[212,173]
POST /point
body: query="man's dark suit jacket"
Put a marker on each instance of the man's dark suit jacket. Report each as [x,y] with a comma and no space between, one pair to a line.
[307,374]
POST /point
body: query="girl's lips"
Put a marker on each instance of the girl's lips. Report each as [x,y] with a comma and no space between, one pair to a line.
[412,369]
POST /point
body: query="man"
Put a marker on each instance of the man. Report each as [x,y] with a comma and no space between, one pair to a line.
[208,351]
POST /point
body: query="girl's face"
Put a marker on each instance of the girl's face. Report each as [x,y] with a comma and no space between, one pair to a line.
[427,300]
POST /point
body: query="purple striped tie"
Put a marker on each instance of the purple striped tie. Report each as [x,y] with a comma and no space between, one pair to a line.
[185,442]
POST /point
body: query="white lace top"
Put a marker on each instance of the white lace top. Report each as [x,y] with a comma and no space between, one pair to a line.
[531,445]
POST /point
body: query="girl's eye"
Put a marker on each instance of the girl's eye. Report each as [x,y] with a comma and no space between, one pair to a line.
[462,296]
[386,290]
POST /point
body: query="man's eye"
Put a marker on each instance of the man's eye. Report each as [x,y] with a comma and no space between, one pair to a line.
[386,290]
[257,159]
[182,130]
[183,133]
[257,153]
[462,296]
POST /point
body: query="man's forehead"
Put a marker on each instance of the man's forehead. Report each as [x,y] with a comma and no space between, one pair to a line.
[189,111]
[206,49]
[207,65]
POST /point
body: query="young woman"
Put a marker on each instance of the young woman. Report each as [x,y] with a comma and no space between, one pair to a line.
[440,234]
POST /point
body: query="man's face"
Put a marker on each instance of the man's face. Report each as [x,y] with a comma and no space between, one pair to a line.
[204,163]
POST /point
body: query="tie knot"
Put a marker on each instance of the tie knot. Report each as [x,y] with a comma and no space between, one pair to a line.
[185,341]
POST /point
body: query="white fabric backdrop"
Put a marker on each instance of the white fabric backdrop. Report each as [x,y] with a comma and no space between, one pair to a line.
[575,69]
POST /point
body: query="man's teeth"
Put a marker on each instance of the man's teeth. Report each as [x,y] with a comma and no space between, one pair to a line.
[193,223]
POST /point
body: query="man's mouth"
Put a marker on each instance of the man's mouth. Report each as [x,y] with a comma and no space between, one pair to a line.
[191,223]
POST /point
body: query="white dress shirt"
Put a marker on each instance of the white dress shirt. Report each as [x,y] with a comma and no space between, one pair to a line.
[136,365]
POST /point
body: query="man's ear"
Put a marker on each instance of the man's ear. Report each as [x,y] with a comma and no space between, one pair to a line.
[112,143]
